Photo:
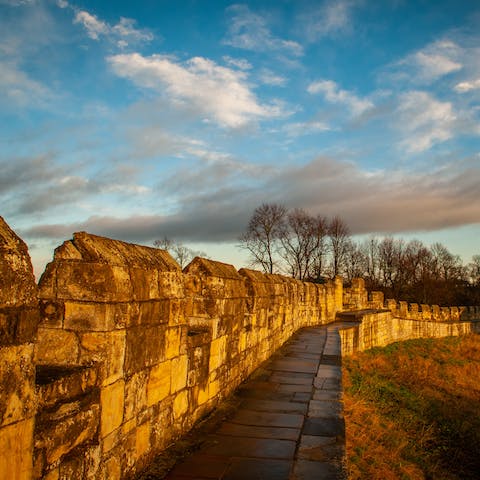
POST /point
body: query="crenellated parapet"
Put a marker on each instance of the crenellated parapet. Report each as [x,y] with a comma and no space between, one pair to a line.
[357,297]
[433,313]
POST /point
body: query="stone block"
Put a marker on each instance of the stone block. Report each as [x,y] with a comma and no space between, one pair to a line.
[144,283]
[217,352]
[112,400]
[172,342]
[18,325]
[180,404]
[16,450]
[159,382]
[179,371]
[171,285]
[145,346]
[93,282]
[18,282]
[58,347]
[82,316]
[17,383]
[142,439]
[135,394]
[108,348]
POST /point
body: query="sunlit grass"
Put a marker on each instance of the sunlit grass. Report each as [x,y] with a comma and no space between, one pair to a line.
[412,410]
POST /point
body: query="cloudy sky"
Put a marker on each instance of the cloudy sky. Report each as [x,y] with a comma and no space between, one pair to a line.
[137,120]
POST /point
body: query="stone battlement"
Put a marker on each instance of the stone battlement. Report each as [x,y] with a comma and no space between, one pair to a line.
[117,352]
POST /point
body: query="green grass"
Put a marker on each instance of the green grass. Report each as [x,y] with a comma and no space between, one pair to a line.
[412,410]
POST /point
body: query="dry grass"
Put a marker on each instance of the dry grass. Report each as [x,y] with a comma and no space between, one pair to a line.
[412,410]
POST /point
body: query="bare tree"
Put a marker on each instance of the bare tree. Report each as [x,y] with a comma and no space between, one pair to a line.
[474,271]
[263,233]
[298,241]
[339,236]
[355,261]
[369,252]
[182,254]
[317,264]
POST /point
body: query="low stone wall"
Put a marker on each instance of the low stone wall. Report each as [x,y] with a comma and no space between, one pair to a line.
[379,328]
[162,346]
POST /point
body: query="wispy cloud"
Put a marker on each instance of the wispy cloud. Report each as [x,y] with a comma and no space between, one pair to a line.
[467,86]
[241,63]
[424,121]
[334,94]
[249,31]
[333,17]
[19,89]
[299,129]
[123,33]
[269,77]
[425,66]
[218,93]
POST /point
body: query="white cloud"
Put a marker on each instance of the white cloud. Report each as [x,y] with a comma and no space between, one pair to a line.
[434,66]
[240,63]
[333,94]
[270,78]
[249,31]
[424,121]
[305,128]
[124,32]
[333,17]
[217,92]
[92,24]
[467,86]
[436,60]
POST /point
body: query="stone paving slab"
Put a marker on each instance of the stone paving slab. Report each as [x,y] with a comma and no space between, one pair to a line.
[289,424]
[223,445]
[256,469]
[256,431]
[275,406]
[268,419]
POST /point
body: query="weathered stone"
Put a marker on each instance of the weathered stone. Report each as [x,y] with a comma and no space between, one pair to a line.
[158,386]
[135,394]
[57,384]
[112,402]
[179,373]
[108,348]
[59,431]
[16,450]
[17,387]
[56,346]
[145,346]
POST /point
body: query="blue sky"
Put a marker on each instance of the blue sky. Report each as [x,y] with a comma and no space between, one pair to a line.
[138,120]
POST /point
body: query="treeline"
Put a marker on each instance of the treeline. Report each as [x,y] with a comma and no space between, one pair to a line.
[313,248]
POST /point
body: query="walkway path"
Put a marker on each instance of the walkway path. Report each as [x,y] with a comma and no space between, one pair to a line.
[289,425]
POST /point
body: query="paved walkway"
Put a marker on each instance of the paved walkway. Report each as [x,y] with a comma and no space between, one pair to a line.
[289,425]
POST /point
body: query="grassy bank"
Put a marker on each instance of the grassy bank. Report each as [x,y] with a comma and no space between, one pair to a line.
[412,410]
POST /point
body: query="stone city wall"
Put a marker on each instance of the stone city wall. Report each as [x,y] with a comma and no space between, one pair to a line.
[376,323]
[118,352]
[130,351]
